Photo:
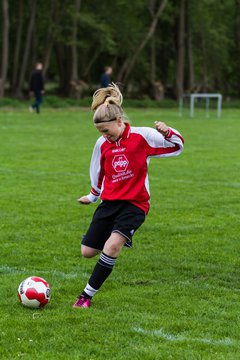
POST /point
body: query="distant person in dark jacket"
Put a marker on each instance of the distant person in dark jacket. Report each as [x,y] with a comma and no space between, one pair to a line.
[37,87]
[106,77]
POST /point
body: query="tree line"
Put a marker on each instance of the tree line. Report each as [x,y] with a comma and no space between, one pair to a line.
[157,48]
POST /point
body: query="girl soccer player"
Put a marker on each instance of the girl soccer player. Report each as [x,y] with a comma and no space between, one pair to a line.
[119,176]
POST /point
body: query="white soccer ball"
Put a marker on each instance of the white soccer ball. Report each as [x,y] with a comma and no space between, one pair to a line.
[34,292]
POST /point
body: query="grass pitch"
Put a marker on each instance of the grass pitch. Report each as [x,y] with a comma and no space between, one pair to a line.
[175,295]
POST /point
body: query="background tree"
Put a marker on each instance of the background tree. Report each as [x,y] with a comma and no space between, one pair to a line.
[19,31]
[189,45]
[26,53]
[145,39]
[5,46]
[181,49]
[74,40]
[51,24]
[154,46]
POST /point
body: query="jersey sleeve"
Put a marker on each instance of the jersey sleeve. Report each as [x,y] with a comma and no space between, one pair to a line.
[158,145]
[96,171]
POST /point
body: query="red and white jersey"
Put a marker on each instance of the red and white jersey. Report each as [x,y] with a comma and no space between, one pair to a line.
[119,169]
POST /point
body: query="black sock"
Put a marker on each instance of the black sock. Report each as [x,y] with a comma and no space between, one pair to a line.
[100,273]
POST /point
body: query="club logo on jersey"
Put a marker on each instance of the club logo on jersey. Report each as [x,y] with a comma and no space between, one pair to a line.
[120,163]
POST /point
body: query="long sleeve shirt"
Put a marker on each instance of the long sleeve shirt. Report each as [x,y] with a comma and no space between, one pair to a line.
[119,169]
[36,83]
[105,80]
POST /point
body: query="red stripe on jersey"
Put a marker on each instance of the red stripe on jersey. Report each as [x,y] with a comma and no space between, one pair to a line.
[94,192]
[162,151]
[171,133]
[101,175]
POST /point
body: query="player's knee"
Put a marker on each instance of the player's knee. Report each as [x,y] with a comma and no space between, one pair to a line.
[88,252]
[114,244]
[112,249]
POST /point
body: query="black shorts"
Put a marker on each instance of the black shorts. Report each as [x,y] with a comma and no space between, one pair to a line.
[113,216]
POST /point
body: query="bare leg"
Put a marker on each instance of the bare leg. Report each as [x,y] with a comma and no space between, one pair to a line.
[103,268]
[89,252]
[114,244]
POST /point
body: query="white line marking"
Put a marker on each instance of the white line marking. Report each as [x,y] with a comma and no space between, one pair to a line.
[41,172]
[198,183]
[170,337]
[5,269]
[205,285]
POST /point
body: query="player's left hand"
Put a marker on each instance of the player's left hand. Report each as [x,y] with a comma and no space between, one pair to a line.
[84,200]
[161,127]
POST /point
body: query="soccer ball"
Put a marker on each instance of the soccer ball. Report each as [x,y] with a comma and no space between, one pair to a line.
[34,292]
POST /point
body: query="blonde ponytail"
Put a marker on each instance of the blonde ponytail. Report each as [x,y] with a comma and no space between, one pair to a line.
[108,95]
[107,104]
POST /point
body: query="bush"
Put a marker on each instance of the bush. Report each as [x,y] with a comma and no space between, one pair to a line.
[9,102]
[58,102]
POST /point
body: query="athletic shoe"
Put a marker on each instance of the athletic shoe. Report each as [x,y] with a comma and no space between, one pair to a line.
[83,302]
[30,109]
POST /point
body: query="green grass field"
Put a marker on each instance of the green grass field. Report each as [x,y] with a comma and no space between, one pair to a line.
[175,295]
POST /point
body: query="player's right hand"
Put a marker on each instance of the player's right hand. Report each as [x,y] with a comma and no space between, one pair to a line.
[161,127]
[84,200]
